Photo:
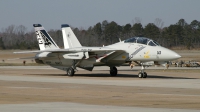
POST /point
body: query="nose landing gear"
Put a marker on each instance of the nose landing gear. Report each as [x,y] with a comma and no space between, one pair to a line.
[142,74]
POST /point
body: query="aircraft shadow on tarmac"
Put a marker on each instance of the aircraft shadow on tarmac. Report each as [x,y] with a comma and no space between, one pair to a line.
[131,76]
[150,76]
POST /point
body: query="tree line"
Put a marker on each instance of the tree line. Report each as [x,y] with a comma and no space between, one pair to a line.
[179,35]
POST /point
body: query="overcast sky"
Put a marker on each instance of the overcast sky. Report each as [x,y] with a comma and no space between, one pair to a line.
[84,13]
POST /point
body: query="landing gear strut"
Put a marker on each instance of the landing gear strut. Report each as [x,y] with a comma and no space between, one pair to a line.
[71,70]
[113,71]
[142,74]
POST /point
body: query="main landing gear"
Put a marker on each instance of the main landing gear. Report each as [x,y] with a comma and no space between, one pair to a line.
[70,72]
[113,71]
[142,74]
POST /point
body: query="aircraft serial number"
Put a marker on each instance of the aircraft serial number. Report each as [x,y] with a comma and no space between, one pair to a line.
[86,49]
[158,52]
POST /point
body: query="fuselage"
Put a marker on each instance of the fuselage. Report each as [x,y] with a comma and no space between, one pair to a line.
[132,52]
[141,52]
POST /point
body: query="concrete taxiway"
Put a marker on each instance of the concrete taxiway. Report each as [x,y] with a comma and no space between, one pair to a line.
[76,107]
[42,88]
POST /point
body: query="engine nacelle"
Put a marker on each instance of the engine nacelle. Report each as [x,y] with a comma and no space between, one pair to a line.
[73,56]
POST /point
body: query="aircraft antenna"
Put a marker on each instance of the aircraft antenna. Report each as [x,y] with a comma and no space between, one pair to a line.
[120,39]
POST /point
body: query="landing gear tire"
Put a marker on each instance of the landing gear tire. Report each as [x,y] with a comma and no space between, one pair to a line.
[113,71]
[142,75]
[70,72]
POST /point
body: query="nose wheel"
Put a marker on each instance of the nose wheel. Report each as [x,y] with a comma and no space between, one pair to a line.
[142,74]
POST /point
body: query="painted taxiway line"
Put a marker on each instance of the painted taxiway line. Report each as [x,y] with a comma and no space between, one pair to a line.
[77,107]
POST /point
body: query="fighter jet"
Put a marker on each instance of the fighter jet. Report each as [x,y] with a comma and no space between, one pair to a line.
[138,49]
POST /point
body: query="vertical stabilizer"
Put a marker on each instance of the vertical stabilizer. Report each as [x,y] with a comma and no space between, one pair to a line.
[69,38]
[44,39]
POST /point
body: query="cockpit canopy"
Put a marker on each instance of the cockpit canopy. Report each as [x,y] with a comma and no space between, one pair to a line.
[142,40]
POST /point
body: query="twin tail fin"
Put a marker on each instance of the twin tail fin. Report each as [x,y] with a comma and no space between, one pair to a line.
[69,38]
[44,39]
[46,42]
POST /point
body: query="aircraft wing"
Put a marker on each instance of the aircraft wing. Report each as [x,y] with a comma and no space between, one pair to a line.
[72,50]
[115,57]
[100,53]
[21,58]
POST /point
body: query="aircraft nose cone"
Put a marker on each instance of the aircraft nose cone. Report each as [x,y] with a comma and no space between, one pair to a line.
[175,56]
[168,54]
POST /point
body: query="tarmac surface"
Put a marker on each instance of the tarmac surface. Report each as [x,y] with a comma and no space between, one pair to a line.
[45,89]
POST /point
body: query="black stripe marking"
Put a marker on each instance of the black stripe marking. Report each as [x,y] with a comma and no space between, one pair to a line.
[135,52]
[44,34]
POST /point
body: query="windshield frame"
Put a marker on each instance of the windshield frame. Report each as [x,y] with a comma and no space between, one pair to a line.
[142,40]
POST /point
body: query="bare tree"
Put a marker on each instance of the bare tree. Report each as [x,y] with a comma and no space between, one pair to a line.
[137,20]
[159,23]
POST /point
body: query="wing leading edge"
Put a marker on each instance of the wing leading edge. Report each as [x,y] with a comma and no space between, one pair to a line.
[72,50]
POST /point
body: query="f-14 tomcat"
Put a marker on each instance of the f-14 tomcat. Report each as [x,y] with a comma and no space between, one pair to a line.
[137,49]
